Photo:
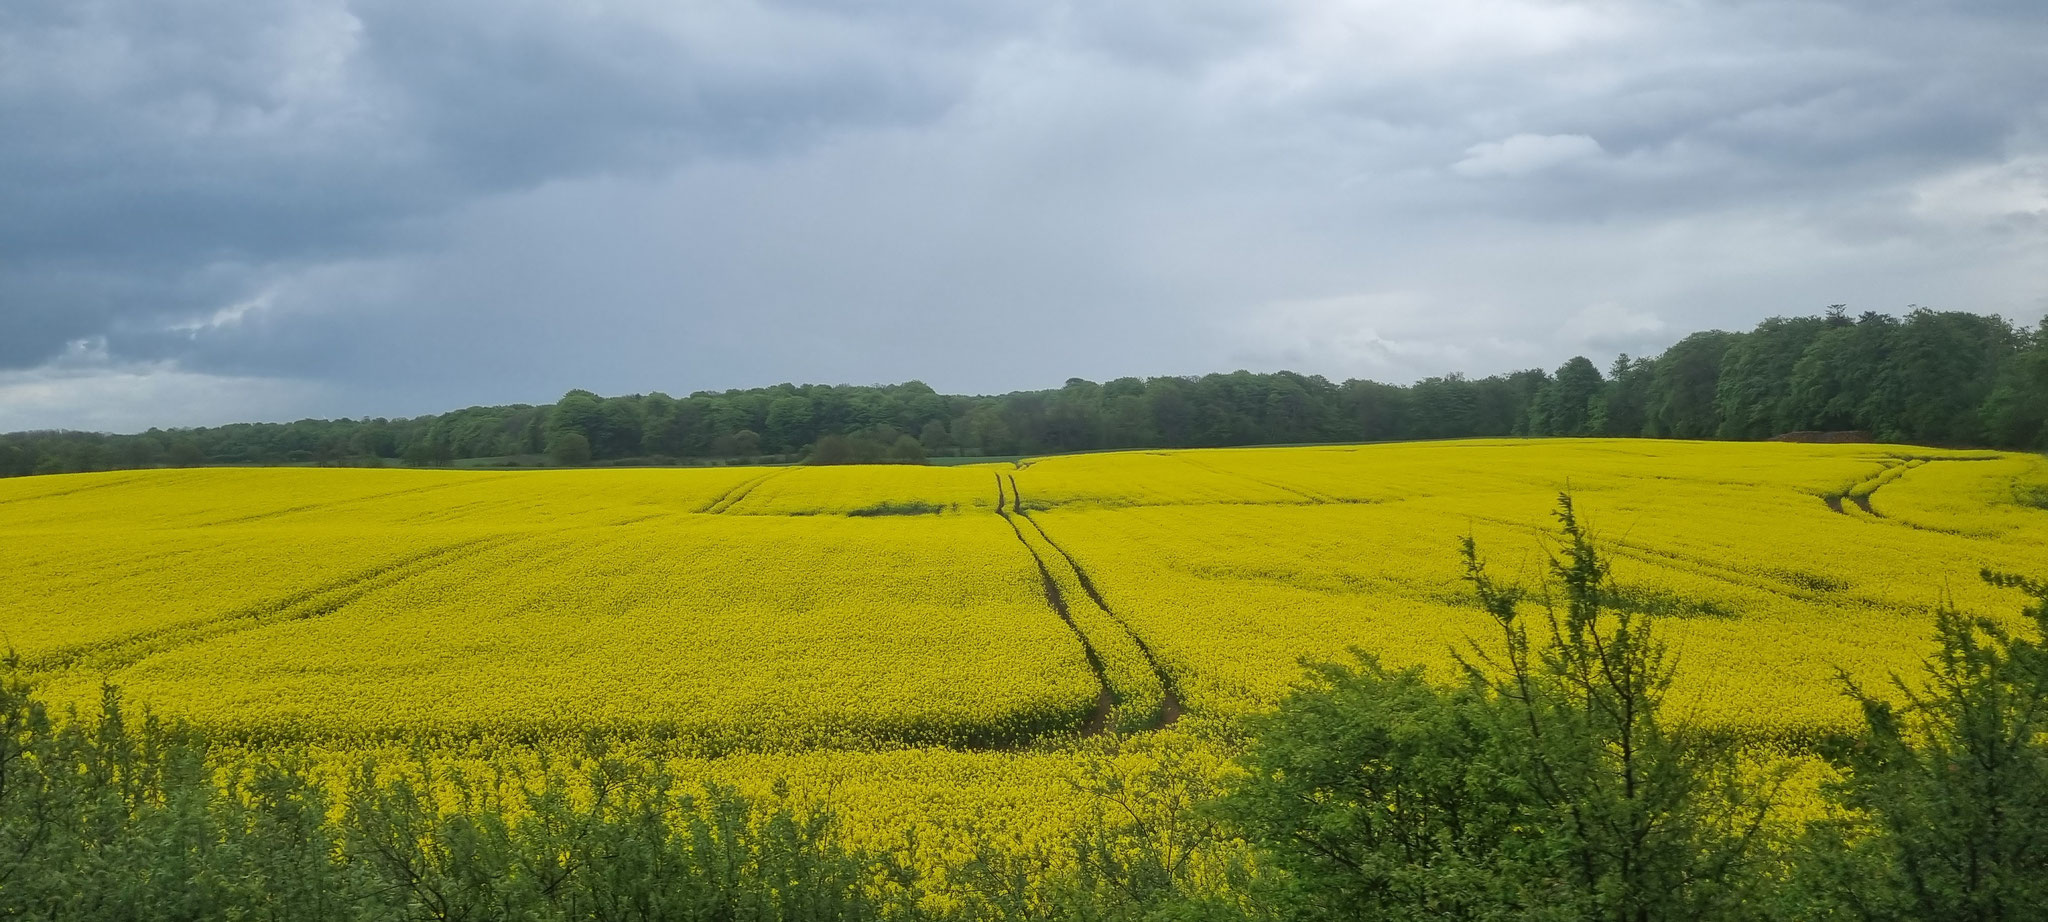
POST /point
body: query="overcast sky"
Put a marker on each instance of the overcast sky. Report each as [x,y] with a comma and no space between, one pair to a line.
[219,210]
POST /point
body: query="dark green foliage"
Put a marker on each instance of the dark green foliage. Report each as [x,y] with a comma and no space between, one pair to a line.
[1570,403]
[622,854]
[1947,364]
[789,423]
[1362,788]
[1545,785]
[1147,848]
[1754,393]
[882,445]
[896,508]
[101,819]
[1950,787]
[907,450]
[1934,378]
[1684,387]
[1846,378]
[2016,412]
[1623,408]
[835,449]
[569,449]
[104,820]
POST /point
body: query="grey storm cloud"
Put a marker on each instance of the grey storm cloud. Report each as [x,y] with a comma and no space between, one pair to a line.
[166,144]
[211,209]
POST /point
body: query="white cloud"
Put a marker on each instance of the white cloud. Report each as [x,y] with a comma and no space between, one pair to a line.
[1522,154]
[2013,191]
[229,315]
[84,389]
[1386,335]
[1607,325]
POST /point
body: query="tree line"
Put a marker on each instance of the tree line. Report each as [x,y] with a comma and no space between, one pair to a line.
[1930,377]
[1548,783]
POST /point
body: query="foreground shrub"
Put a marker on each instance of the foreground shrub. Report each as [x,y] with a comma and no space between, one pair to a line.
[1545,785]
[1947,792]
[100,820]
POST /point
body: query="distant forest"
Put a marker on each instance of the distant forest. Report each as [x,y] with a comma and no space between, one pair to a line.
[1931,377]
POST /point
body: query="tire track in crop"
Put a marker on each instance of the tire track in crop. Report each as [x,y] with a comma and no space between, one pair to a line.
[1105,700]
[1311,497]
[1170,707]
[1793,584]
[116,482]
[311,602]
[732,497]
[1863,490]
[1306,495]
[1908,464]
[1859,494]
[308,507]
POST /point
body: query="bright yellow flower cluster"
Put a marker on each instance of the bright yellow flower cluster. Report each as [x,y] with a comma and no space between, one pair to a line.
[534,605]
[889,638]
[1765,578]
[779,609]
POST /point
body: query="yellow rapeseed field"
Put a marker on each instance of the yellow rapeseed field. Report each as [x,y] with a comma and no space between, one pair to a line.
[930,646]
[1234,564]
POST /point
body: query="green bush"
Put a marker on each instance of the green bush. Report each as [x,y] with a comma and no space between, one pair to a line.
[1947,793]
[103,820]
[1545,785]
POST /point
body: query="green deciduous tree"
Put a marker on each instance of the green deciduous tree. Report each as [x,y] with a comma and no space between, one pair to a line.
[1683,398]
[1934,377]
[1754,390]
[1567,403]
[2016,411]
[1947,367]
[789,422]
[569,449]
